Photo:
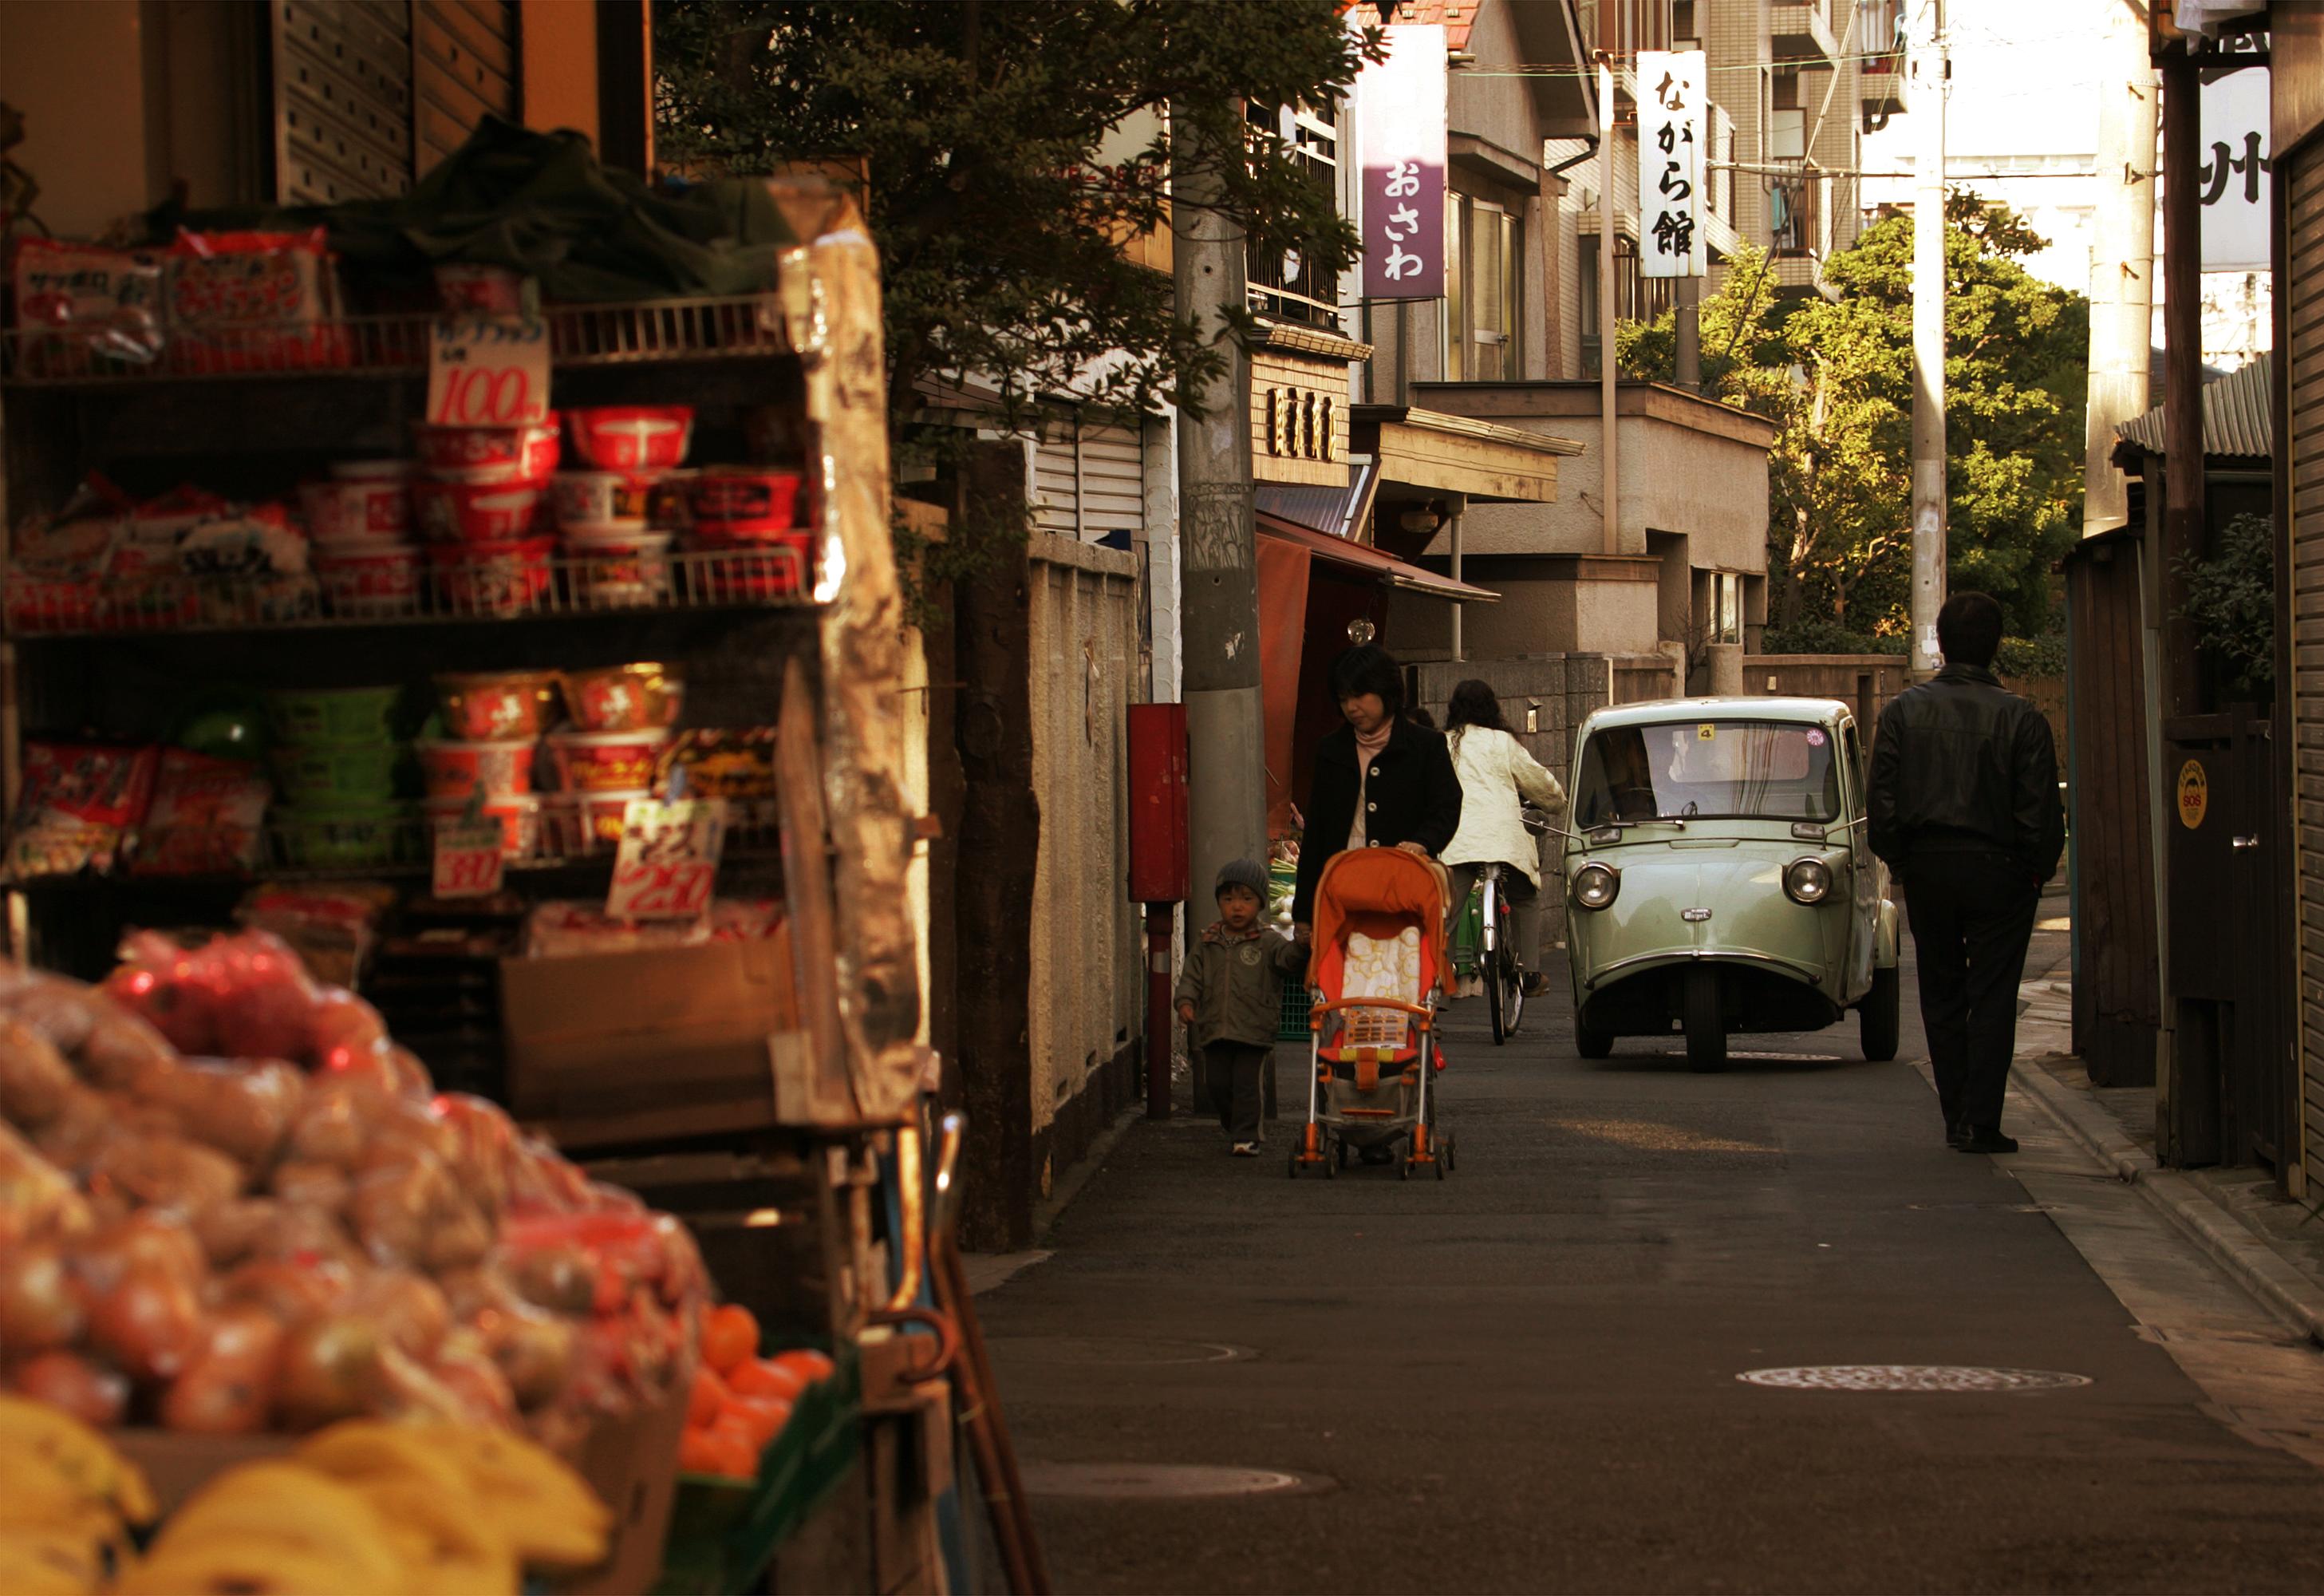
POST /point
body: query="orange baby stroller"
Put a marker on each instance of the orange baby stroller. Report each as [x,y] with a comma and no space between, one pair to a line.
[1378,970]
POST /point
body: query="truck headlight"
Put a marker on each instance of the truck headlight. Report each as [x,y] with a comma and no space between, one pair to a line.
[1595,885]
[1807,881]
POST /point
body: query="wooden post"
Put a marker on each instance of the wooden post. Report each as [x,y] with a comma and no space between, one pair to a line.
[2182,373]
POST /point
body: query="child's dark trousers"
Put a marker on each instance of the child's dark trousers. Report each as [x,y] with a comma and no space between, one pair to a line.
[1233,1070]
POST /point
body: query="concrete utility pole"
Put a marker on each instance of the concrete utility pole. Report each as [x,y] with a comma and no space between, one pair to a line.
[1928,77]
[2121,259]
[1226,776]
[1609,493]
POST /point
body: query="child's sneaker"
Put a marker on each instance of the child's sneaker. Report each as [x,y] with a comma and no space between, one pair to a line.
[1245,1149]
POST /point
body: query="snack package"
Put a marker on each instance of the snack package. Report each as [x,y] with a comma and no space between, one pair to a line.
[204,819]
[96,308]
[737,764]
[59,564]
[81,802]
[253,301]
[332,929]
[250,566]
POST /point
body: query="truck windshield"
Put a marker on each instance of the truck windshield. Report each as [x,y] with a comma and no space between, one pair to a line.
[1707,769]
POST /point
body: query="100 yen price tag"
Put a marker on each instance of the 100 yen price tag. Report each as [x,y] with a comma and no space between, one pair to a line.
[487,371]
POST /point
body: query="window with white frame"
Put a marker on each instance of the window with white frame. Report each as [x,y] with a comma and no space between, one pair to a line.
[1484,269]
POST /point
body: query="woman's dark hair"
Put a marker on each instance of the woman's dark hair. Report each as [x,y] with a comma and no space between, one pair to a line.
[1969,629]
[1474,705]
[1368,669]
[1419,716]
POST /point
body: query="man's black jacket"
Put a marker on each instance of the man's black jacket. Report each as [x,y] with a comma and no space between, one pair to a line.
[1962,763]
[1412,794]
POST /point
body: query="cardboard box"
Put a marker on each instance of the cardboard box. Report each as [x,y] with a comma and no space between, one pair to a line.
[615,1047]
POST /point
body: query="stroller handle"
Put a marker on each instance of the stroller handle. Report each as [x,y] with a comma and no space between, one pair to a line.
[1320,1010]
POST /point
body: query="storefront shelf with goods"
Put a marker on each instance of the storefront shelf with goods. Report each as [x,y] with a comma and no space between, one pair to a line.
[430,586]
[747,327]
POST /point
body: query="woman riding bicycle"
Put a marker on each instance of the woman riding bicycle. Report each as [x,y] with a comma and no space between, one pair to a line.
[1497,778]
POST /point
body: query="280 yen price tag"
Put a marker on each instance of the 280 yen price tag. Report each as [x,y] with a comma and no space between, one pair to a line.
[487,371]
[669,860]
[469,860]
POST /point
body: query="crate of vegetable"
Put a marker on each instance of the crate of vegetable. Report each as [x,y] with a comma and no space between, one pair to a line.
[767,1438]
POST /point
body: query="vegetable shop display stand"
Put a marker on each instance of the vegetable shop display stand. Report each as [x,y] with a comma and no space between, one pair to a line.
[814,1203]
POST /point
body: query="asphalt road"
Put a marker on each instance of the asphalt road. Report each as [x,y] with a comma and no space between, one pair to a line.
[1524,1378]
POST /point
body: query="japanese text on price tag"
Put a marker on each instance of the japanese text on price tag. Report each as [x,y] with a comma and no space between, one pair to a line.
[469,860]
[487,371]
[669,860]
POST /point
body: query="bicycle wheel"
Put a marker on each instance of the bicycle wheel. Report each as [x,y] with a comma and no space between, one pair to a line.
[1508,971]
[1495,949]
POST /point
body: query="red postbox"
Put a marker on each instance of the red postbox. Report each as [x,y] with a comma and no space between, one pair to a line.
[1157,870]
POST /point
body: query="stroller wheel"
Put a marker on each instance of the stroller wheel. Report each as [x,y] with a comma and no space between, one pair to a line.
[1339,1153]
[1334,1163]
[1443,1159]
[1450,1144]
[1293,1171]
[1404,1165]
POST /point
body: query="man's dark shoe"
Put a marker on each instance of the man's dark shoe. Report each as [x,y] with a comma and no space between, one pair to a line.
[1989,1140]
[1955,1135]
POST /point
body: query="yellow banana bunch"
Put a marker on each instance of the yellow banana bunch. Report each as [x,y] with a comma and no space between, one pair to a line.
[35,1432]
[552,1519]
[50,1562]
[448,1544]
[272,1527]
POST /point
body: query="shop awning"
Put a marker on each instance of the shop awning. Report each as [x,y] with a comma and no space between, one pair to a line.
[1364,558]
[1434,452]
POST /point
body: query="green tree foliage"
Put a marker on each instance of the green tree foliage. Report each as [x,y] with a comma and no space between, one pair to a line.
[1005,173]
[1836,375]
[2231,604]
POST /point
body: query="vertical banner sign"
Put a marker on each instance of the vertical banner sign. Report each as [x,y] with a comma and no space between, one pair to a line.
[2235,163]
[1670,163]
[1400,122]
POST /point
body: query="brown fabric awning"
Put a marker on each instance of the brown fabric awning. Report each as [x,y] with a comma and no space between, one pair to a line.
[1364,558]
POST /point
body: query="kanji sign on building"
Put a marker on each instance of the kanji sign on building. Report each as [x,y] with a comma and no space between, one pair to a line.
[1400,120]
[2234,162]
[1670,163]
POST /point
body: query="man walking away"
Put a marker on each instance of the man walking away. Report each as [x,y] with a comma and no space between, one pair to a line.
[1964,808]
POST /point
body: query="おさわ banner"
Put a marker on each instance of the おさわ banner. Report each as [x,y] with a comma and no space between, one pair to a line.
[1670,163]
[1400,123]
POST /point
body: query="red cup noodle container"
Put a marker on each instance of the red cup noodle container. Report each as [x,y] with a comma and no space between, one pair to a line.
[602,813]
[496,579]
[640,697]
[482,290]
[631,436]
[530,452]
[369,576]
[613,568]
[605,762]
[517,815]
[475,512]
[753,569]
[349,511]
[735,503]
[454,770]
[607,500]
[496,706]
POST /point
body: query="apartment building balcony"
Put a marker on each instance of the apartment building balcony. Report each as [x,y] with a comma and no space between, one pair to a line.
[1801,30]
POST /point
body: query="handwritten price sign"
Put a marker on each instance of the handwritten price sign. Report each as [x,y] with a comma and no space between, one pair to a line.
[487,371]
[669,860]
[469,860]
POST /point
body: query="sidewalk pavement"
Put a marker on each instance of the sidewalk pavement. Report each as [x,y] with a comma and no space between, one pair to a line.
[2271,1246]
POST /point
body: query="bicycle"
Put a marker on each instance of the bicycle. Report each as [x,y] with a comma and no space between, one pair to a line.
[1497,965]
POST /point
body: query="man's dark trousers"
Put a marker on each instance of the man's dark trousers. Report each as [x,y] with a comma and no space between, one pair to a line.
[1972,916]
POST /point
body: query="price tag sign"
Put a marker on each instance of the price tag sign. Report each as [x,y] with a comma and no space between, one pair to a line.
[469,860]
[487,371]
[669,860]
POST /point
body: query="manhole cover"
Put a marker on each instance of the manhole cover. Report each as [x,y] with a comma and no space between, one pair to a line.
[1158,1482]
[1910,1377]
[1103,1351]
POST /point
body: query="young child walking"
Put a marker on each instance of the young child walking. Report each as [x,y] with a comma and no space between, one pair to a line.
[1229,996]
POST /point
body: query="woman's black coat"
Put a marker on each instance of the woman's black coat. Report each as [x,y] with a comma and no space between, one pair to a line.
[1411,795]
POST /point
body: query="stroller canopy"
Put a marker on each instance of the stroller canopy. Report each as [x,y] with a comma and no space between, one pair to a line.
[1366,889]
